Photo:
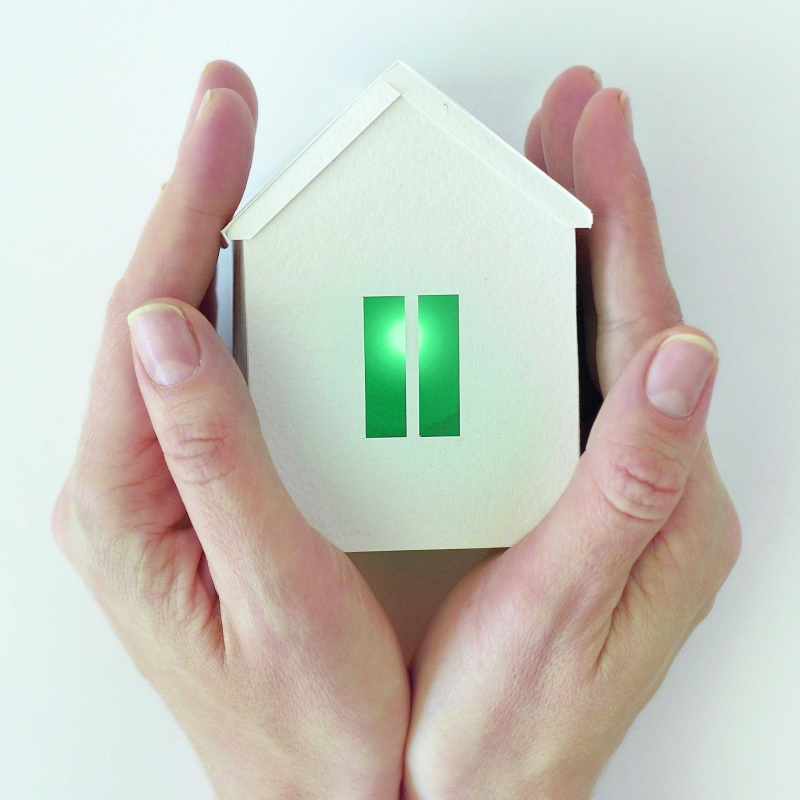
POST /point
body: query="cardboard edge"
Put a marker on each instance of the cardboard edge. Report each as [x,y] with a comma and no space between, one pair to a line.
[311,161]
[485,144]
[239,311]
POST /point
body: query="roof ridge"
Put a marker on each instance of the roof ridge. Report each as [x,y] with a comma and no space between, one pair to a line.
[400,80]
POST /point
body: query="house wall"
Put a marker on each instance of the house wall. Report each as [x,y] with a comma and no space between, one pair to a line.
[407,210]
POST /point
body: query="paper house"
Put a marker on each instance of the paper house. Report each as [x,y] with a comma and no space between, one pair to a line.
[405,312]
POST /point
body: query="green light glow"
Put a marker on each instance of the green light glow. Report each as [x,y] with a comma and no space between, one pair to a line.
[439,401]
[397,337]
[385,366]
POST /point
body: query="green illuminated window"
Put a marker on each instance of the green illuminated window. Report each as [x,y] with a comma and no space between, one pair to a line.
[385,365]
[438,365]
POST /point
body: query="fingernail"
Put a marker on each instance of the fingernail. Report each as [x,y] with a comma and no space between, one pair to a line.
[678,372]
[625,104]
[597,79]
[164,342]
[203,103]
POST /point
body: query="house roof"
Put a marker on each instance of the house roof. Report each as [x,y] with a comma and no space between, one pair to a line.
[401,81]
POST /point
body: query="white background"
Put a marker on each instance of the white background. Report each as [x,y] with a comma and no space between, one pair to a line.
[94,101]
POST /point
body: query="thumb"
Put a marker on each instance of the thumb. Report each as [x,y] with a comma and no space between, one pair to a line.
[634,469]
[208,429]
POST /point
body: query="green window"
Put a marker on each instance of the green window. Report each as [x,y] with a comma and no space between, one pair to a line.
[439,404]
[385,366]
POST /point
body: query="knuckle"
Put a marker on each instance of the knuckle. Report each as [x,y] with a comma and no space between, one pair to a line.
[715,518]
[727,543]
[59,520]
[110,562]
[641,482]
[719,550]
[639,325]
[74,519]
[731,535]
[71,519]
[706,607]
[188,215]
[201,451]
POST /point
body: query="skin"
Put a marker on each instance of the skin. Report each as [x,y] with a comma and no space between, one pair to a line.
[266,641]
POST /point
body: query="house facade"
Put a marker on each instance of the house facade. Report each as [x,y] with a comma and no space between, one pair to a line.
[405,315]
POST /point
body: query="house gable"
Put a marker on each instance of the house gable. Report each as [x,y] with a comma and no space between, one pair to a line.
[401,81]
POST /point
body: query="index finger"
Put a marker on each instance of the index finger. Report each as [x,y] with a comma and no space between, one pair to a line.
[176,256]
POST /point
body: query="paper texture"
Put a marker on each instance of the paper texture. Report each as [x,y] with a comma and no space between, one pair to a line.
[310,162]
[408,209]
[399,80]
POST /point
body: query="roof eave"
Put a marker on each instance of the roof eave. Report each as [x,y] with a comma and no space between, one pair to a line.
[399,80]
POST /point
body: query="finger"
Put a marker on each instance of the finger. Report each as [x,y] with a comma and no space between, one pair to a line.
[208,429]
[632,474]
[218,75]
[533,142]
[633,296]
[550,145]
[178,248]
[176,255]
[562,106]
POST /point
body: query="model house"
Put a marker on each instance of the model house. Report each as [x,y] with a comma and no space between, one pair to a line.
[404,306]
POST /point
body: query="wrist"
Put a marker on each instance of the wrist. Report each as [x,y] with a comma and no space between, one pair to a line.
[238,772]
[510,781]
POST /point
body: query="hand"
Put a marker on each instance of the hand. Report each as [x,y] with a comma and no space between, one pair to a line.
[259,634]
[537,663]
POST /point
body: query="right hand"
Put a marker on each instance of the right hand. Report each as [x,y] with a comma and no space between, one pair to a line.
[262,636]
[537,663]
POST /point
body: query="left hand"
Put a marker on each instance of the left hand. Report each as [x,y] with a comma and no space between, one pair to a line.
[539,660]
[260,635]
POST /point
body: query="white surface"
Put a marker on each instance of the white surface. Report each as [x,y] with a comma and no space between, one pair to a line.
[401,80]
[410,208]
[94,101]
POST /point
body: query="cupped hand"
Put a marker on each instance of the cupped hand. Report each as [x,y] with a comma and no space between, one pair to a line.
[539,660]
[261,636]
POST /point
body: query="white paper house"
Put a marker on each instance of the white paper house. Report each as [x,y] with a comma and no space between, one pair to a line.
[405,195]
